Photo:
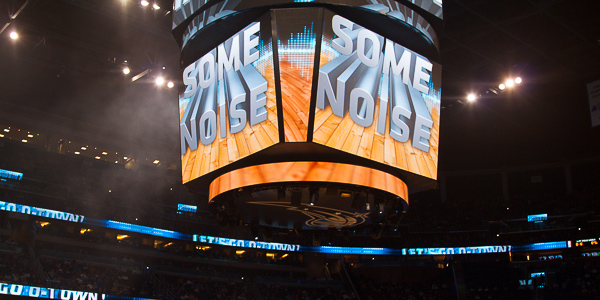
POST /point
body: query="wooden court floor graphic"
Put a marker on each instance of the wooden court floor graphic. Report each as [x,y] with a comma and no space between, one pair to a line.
[295,95]
[223,151]
[330,130]
[308,172]
[344,134]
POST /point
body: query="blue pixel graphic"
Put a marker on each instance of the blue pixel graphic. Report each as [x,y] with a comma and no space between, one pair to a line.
[299,50]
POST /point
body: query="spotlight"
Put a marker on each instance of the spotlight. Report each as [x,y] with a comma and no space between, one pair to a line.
[14,35]
[24,141]
[155,7]
[77,152]
[510,83]
[126,70]
[471,97]
[159,80]
[502,86]
[518,80]
[170,84]
[97,157]
[156,162]
[145,3]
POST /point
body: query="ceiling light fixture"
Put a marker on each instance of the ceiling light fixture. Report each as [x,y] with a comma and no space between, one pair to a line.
[14,35]
[159,81]
[155,6]
[170,84]
[145,3]
[502,86]
[126,70]
[518,80]
[471,97]
[510,83]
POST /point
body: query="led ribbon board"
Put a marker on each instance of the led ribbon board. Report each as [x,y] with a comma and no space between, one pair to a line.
[542,246]
[244,243]
[18,208]
[139,229]
[456,250]
[42,212]
[51,293]
[6,174]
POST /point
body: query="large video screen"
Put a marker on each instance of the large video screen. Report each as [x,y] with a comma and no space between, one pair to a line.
[377,99]
[296,52]
[209,11]
[227,107]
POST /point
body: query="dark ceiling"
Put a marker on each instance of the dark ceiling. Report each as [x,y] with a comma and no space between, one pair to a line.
[66,68]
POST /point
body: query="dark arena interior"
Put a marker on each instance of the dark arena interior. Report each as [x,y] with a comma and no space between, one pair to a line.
[326,149]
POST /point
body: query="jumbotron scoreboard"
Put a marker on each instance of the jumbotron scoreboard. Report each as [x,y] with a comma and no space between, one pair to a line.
[309,114]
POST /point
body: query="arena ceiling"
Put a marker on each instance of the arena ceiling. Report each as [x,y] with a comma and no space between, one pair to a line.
[65,70]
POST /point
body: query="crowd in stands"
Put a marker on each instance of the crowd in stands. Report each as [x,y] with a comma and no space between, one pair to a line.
[276,292]
[86,276]
[106,191]
[205,288]
[474,277]
[569,278]
[17,268]
[425,291]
